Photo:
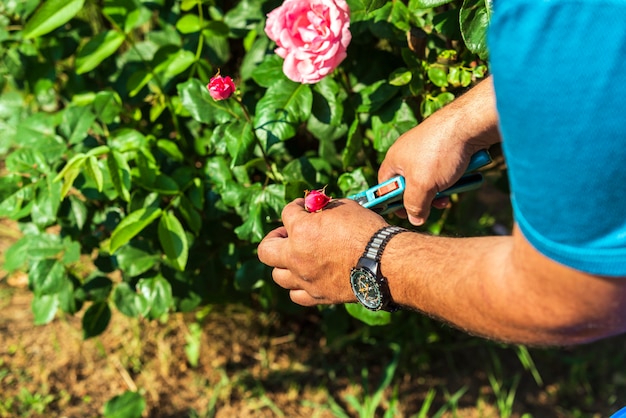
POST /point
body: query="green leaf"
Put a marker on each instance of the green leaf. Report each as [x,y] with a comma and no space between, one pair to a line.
[189,23]
[400,77]
[128,405]
[70,171]
[94,171]
[474,19]
[129,302]
[361,9]
[133,261]
[269,71]
[97,288]
[51,15]
[44,308]
[250,276]
[44,210]
[353,146]
[352,182]
[391,123]
[127,14]
[46,277]
[372,318]
[107,106]
[199,103]
[77,120]
[240,141]
[438,76]
[284,105]
[131,225]
[97,49]
[170,60]
[173,240]
[96,319]
[120,174]
[158,293]
[427,4]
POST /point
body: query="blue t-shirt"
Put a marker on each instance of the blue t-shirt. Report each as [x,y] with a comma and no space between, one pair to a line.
[559,71]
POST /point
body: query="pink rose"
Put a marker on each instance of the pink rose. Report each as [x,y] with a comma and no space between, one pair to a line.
[221,88]
[312,37]
[316,200]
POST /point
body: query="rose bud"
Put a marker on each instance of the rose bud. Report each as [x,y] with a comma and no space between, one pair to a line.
[316,200]
[221,88]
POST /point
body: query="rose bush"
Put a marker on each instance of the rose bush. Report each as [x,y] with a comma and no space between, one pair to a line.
[312,37]
[115,151]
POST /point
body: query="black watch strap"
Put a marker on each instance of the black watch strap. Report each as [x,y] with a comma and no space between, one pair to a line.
[374,251]
[378,242]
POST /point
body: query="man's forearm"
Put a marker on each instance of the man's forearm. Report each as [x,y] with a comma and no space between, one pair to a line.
[501,288]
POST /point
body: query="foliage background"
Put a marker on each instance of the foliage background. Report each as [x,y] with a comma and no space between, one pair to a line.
[135,192]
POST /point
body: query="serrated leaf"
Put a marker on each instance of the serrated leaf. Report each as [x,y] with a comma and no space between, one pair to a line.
[97,49]
[51,15]
[44,308]
[120,174]
[132,225]
[240,141]
[173,240]
[47,201]
[133,261]
[94,171]
[158,293]
[46,277]
[284,105]
[474,20]
[96,319]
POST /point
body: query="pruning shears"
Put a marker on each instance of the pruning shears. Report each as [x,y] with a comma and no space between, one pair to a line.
[386,197]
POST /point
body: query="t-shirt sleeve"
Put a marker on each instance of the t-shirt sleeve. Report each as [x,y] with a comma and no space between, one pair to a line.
[559,71]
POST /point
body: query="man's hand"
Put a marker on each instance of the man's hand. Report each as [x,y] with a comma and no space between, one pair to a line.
[435,154]
[312,254]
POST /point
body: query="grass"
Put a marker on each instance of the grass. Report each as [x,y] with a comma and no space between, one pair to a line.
[234,361]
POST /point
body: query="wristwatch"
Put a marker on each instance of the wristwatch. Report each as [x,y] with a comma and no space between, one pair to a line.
[368,284]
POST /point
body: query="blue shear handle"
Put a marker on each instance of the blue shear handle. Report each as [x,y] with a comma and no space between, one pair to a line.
[478,160]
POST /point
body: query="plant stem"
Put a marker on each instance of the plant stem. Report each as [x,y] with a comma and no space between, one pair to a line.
[266,157]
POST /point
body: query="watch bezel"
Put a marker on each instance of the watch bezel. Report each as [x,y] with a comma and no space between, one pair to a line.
[373,304]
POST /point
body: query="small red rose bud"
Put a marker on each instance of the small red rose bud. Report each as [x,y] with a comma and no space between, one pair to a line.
[221,88]
[316,200]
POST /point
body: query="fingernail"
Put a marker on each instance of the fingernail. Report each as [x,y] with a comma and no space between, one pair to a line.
[416,221]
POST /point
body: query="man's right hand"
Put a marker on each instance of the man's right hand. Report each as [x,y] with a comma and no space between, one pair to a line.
[435,154]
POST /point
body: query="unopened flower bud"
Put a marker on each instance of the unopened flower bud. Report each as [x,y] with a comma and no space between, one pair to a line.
[221,88]
[316,200]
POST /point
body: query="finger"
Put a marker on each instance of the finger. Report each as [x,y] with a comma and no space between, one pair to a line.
[272,249]
[385,172]
[302,297]
[441,202]
[285,279]
[292,212]
[417,210]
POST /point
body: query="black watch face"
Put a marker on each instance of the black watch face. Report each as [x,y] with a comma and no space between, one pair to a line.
[366,288]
